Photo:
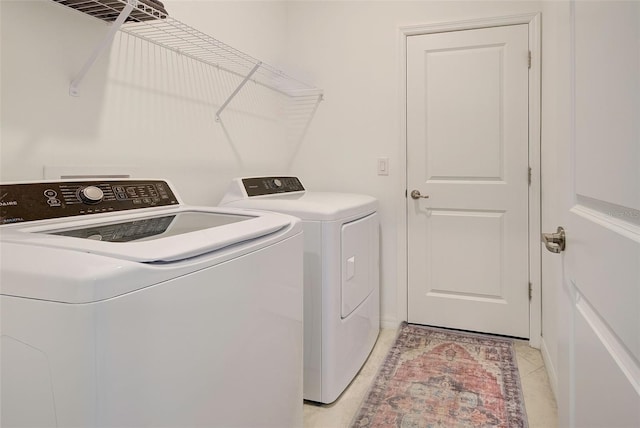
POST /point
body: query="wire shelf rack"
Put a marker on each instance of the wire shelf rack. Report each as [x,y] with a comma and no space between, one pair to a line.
[147,20]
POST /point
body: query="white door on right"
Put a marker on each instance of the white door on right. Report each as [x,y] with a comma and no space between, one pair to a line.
[599,318]
[468,150]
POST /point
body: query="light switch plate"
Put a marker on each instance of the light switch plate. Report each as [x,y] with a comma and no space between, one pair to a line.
[383,166]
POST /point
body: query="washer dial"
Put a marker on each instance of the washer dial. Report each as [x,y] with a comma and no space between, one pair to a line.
[91,194]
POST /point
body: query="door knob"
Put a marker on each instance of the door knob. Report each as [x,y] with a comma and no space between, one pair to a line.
[555,242]
[415,194]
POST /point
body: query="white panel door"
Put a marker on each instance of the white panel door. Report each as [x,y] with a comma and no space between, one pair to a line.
[599,317]
[467,150]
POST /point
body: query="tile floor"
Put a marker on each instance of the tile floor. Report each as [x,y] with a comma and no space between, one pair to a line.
[539,401]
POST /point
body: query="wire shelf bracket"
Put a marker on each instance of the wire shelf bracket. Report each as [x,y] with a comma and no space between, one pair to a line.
[74,89]
[235,92]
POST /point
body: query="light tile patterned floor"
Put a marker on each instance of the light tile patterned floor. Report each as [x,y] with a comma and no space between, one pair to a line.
[538,397]
[539,401]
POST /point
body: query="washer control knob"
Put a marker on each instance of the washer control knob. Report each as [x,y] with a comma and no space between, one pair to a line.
[91,195]
[277,182]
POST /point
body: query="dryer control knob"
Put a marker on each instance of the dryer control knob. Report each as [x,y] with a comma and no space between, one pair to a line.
[277,182]
[91,195]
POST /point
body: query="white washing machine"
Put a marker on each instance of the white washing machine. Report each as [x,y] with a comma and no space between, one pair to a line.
[341,275]
[123,307]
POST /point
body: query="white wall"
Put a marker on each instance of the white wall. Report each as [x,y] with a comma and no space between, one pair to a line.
[142,110]
[352,50]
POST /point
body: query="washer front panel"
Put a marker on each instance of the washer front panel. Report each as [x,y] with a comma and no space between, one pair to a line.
[23,202]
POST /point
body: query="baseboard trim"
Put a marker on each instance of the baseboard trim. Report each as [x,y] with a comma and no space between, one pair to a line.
[391,323]
[550,367]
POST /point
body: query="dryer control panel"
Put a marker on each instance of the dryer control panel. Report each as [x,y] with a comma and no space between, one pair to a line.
[22,202]
[259,186]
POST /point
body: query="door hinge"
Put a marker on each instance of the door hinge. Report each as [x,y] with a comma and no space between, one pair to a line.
[530,291]
[529,176]
[405,193]
[529,59]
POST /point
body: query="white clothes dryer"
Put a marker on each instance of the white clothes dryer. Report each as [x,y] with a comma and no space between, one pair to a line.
[341,275]
[121,306]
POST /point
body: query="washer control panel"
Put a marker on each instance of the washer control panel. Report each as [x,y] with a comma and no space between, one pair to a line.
[259,186]
[39,201]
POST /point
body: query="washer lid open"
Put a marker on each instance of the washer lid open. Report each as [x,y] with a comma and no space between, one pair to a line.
[171,235]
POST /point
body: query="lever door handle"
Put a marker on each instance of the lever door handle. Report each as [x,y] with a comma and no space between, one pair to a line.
[555,242]
[415,194]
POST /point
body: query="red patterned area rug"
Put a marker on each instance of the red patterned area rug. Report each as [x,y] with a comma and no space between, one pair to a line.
[442,378]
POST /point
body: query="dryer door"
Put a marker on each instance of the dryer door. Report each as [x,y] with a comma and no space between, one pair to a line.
[359,252]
